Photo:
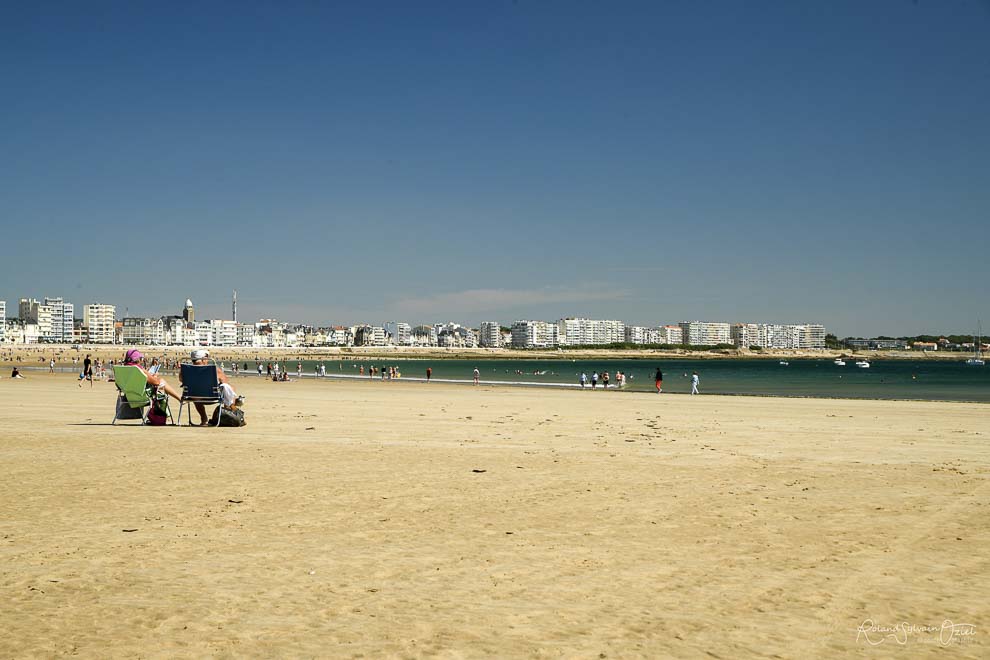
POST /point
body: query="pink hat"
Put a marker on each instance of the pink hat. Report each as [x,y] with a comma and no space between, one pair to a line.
[133,356]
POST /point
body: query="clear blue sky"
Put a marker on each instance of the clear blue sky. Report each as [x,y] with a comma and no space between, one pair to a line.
[647,161]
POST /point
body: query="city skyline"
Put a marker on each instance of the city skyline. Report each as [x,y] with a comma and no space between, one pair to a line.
[505,161]
[122,312]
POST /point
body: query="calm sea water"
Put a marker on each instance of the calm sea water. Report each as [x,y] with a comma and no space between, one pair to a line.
[885,379]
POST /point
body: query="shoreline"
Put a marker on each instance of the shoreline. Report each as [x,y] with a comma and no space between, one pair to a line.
[458,382]
[107,351]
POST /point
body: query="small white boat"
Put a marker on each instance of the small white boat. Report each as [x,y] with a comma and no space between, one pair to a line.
[862,364]
[839,362]
[783,363]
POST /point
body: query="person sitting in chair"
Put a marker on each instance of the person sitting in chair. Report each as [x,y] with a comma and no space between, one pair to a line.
[133,358]
[231,399]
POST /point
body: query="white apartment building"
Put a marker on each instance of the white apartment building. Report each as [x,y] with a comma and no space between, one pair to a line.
[31,311]
[3,321]
[204,333]
[490,334]
[703,333]
[670,334]
[223,333]
[99,321]
[61,319]
[590,332]
[535,334]
[745,335]
[143,331]
[807,336]
[813,336]
[637,334]
[245,334]
[19,332]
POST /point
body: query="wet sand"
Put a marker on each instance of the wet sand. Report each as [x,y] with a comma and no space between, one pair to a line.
[356,518]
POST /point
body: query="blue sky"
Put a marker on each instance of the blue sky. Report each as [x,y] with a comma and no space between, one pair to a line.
[648,161]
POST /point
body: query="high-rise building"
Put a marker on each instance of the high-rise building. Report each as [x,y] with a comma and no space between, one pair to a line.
[590,332]
[33,312]
[702,333]
[535,334]
[637,334]
[245,334]
[670,334]
[98,319]
[224,333]
[143,331]
[779,335]
[3,321]
[490,334]
[61,319]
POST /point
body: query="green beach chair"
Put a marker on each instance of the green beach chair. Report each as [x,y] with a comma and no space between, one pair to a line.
[135,394]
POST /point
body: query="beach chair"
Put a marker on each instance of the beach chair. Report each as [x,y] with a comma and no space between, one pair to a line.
[135,394]
[199,385]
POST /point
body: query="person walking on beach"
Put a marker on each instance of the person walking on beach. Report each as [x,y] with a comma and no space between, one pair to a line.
[658,380]
[51,366]
[694,382]
[594,379]
[429,373]
[477,376]
[605,380]
[584,380]
[87,372]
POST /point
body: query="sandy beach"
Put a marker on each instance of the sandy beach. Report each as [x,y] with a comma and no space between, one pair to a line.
[399,519]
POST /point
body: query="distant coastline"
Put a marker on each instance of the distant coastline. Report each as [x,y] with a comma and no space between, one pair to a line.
[106,351]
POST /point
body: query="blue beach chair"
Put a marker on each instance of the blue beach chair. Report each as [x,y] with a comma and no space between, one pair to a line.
[199,385]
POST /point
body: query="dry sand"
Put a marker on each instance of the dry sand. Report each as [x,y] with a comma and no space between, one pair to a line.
[403,519]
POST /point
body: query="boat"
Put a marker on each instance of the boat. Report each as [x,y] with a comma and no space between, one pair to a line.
[783,363]
[862,364]
[977,359]
[839,362]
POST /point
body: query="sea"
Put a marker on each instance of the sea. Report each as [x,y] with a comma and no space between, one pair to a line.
[932,380]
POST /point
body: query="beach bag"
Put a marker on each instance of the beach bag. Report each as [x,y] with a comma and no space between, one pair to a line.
[158,414]
[124,410]
[228,417]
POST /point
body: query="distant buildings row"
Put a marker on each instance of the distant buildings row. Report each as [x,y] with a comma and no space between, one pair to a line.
[52,321]
[593,332]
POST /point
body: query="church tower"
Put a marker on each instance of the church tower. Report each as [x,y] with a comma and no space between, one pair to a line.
[188,313]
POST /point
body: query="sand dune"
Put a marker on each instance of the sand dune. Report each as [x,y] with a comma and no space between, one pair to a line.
[402,519]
